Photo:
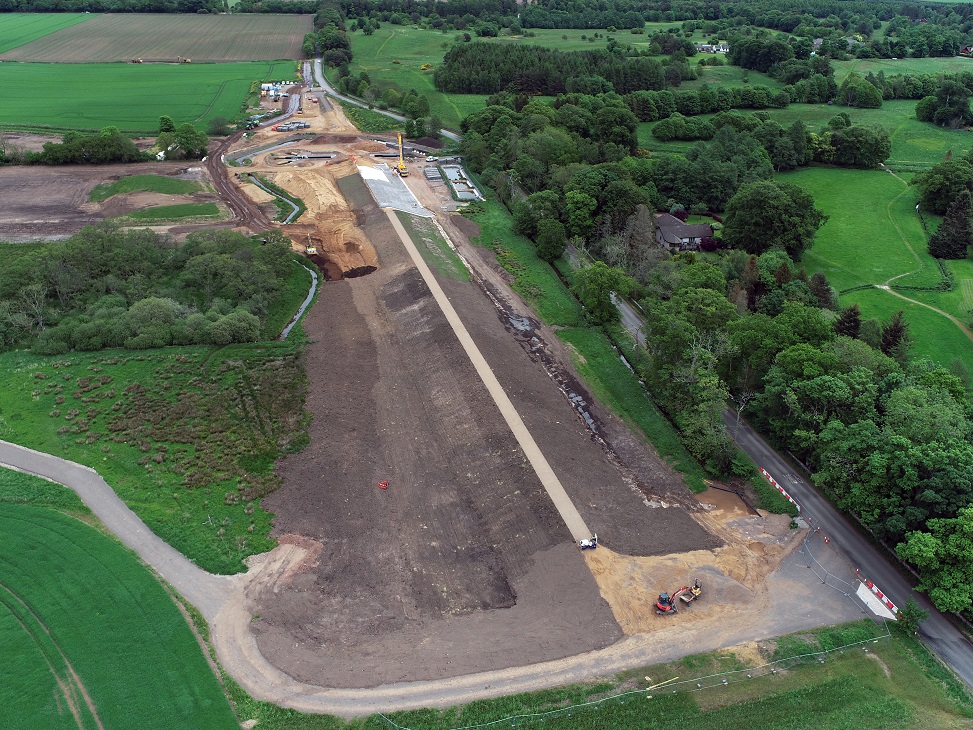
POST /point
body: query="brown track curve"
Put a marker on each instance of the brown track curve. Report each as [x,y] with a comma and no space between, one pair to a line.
[245,211]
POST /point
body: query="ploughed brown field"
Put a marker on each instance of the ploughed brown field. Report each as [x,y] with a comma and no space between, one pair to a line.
[170,38]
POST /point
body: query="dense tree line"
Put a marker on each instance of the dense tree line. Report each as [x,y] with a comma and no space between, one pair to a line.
[106,287]
[751,326]
[486,68]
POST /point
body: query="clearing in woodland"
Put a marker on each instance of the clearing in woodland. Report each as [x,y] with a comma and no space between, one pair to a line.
[82,617]
[169,38]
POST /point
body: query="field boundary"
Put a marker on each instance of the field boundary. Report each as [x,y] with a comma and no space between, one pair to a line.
[694,684]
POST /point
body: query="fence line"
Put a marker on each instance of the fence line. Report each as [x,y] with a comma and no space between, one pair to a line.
[696,684]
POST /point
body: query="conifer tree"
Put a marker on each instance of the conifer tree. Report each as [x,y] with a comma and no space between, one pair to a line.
[955,233]
[849,322]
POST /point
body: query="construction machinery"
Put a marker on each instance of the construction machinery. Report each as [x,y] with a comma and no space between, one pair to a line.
[688,595]
[402,169]
[665,605]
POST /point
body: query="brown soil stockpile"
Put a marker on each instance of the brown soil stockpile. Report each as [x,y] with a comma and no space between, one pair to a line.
[329,224]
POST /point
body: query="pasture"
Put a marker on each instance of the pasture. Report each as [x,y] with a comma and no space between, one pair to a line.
[893,66]
[17,29]
[874,237]
[131,97]
[169,38]
[915,145]
[81,617]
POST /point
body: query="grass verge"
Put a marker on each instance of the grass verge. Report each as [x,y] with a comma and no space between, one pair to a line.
[618,386]
[596,360]
[894,684]
[368,120]
[434,249]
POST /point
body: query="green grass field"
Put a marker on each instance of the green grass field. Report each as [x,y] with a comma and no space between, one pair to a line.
[412,48]
[367,120]
[129,96]
[873,236]
[891,67]
[915,145]
[176,212]
[138,183]
[17,29]
[81,617]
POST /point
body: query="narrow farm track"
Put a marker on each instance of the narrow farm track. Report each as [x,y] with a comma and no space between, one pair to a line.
[963,328]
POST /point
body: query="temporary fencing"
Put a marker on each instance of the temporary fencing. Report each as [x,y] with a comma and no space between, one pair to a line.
[674,686]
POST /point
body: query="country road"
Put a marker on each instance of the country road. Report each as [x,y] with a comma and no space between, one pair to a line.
[325,84]
[939,633]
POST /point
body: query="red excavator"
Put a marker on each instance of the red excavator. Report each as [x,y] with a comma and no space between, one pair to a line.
[665,605]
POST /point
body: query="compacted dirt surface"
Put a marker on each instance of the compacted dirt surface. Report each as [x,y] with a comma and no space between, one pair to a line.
[48,203]
[462,564]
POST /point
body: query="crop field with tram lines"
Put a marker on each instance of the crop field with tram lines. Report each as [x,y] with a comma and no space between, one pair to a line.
[131,97]
[17,29]
[166,38]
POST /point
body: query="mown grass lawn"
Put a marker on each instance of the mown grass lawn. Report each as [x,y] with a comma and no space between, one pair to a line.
[872,233]
[933,335]
[72,598]
[874,236]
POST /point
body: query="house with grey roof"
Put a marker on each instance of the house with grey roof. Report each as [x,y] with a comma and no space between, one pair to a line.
[674,235]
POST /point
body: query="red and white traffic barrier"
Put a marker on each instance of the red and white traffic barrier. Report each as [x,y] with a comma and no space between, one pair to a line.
[882,597]
[780,489]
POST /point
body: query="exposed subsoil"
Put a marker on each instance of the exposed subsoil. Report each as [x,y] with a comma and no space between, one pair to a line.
[462,564]
[46,203]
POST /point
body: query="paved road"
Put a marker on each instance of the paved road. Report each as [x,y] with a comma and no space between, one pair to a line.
[324,84]
[938,632]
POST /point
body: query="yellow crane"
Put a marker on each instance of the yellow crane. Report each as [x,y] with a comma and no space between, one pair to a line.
[403,170]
